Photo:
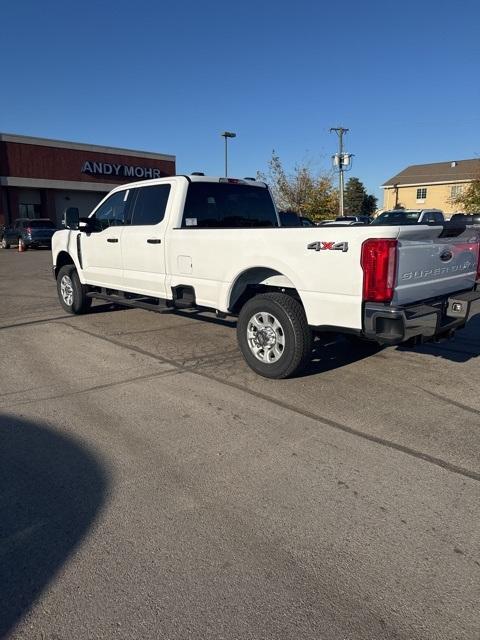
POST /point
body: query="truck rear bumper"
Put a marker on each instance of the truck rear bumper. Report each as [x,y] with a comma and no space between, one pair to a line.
[389,325]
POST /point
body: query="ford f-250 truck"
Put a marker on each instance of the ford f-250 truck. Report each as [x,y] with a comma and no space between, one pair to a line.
[217,244]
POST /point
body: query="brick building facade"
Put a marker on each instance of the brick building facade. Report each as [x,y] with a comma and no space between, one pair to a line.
[41,177]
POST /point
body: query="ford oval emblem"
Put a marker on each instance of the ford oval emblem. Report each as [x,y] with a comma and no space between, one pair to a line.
[446,256]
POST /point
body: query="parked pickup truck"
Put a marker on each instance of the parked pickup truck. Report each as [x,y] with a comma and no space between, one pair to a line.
[216,244]
[410,216]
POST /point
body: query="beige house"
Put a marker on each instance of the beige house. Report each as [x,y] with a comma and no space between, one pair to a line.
[430,186]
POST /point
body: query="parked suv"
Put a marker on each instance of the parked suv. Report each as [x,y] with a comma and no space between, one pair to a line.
[361,219]
[28,232]
[292,219]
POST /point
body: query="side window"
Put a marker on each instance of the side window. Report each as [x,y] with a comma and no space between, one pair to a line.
[438,218]
[114,210]
[150,204]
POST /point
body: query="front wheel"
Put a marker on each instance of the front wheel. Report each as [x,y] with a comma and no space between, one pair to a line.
[274,336]
[71,292]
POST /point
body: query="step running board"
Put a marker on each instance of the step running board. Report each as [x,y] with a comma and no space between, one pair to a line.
[159,307]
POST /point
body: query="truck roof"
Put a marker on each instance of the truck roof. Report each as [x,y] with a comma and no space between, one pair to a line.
[191,178]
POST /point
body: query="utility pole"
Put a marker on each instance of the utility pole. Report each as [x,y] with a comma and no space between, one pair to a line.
[340,160]
[226,135]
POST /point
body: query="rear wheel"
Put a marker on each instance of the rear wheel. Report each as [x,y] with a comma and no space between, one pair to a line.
[274,336]
[71,292]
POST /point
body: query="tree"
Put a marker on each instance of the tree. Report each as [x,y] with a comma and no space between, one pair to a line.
[469,199]
[369,205]
[357,201]
[311,195]
[355,194]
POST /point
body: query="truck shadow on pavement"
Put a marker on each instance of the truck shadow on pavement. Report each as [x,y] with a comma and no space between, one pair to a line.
[51,491]
[464,347]
[332,352]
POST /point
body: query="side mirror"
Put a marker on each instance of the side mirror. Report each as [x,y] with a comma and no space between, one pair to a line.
[71,218]
[89,225]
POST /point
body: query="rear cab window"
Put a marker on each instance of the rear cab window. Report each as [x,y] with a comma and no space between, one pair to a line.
[228,206]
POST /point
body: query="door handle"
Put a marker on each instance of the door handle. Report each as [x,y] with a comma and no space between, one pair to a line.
[154,241]
[112,239]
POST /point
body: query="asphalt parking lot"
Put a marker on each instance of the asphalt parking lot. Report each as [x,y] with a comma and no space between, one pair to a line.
[152,486]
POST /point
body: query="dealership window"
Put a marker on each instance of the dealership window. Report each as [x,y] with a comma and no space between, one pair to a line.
[150,204]
[114,210]
[29,210]
[421,194]
[456,190]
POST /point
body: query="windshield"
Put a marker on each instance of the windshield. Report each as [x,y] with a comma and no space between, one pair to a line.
[397,217]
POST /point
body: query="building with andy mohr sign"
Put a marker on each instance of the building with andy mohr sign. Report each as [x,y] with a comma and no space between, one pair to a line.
[40,178]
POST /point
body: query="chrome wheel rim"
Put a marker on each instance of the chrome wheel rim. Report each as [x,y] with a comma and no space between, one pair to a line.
[66,290]
[266,337]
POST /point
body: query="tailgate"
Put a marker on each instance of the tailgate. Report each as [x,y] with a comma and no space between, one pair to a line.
[435,261]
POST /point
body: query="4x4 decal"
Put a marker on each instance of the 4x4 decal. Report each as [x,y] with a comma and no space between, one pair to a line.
[328,246]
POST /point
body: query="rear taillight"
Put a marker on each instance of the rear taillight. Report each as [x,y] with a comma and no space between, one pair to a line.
[29,230]
[379,264]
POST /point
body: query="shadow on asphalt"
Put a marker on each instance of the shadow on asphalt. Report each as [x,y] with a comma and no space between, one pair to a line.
[106,308]
[51,491]
[463,347]
[332,351]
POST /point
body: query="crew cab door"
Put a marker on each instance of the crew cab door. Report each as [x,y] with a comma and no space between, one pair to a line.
[143,240]
[101,249]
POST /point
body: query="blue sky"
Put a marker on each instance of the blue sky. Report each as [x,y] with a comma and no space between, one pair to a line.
[169,77]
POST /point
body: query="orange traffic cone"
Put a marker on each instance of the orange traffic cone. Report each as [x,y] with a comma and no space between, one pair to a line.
[21,245]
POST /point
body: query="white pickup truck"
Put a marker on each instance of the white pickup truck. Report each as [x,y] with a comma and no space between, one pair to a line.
[217,244]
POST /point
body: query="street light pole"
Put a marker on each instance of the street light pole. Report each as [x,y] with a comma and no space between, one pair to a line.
[226,135]
[340,131]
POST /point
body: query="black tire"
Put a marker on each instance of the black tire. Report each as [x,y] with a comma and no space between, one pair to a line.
[5,244]
[290,332]
[71,292]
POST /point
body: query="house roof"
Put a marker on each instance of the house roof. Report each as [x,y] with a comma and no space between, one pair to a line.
[452,171]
